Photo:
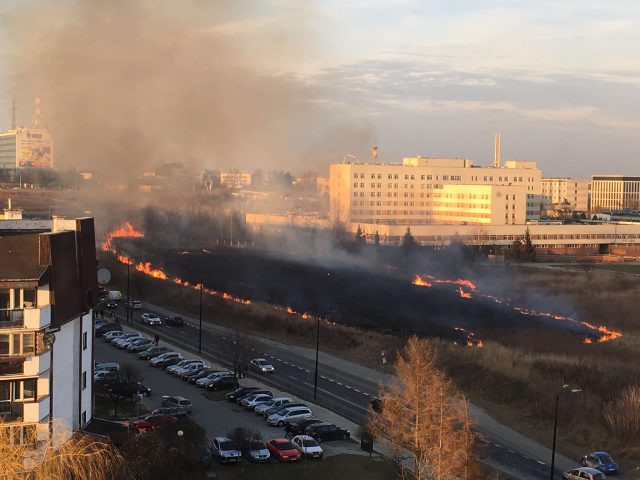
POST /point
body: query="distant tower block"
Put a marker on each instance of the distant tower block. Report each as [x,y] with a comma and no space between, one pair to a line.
[496,157]
[374,153]
[36,114]
[13,114]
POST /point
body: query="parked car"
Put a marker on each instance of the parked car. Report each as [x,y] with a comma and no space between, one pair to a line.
[124,343]
[148,422]
[273,403]
[111,334]
[584,473]
[224,451]
[177,401]
[152,352]
[288,414]
[250,402]
[200,373]
[111,304]
[298,427]
[239,393]
[125,337]
[206,381]
[137,341]
[135,304]
[174,320]
[258,452]
[177,412]
[307,447]
[151,319]
[140,346]
[107,366]
[225,382]
[284,406]
[255,392]
[187,370]
[260,365]
[165,359]
[283,450]
[185,363]
[102,376]
[323,432]
[107,327]
[600,461]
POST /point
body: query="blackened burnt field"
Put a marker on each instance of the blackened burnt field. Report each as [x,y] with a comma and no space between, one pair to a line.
[383,299]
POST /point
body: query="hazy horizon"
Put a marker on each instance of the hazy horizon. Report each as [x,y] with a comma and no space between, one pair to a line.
[298,85]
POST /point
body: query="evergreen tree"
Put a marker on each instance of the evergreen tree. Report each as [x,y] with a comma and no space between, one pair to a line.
[376,238]
[528,250]
[408,241]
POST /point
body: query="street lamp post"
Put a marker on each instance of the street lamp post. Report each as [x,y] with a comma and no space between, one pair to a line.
[555,426]
[128,289]
[315,382]
[200,327]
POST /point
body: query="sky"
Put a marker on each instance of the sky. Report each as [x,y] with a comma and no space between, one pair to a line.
[312,81]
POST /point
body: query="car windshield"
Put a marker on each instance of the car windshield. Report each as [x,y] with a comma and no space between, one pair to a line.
[227,446]
[285,446]
[263,362]
[309,443]
[605,459]
[257,446]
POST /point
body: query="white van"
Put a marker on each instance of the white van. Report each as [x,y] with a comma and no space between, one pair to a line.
[289,415]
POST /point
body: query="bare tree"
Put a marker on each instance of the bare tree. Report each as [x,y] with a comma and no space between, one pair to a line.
[26,452]
[123,386]
[239,349]
[424,418]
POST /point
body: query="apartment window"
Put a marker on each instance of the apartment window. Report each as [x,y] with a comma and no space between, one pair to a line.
[29,296]
[355,175]
[429,177]
[362,175]
[413,177]
[28,343]
[4,344]
[84,379]
[362,185]
[395,176]
[355,185]
[422,177]
[445,177]
[29,389]
[84,341]
[389,176]
[379,176]
[373,176]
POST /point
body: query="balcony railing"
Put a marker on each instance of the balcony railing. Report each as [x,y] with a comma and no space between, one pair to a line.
[11,318]
[11,365]
[11,411]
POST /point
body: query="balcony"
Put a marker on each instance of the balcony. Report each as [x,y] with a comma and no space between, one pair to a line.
[35,365]
[11,318]
[37,318]
[11,411]
[38,410]
[11,365]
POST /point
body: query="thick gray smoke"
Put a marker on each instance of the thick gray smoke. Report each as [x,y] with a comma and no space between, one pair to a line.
[130,84]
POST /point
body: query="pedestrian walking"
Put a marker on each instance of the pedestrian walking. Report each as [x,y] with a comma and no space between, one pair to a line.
[156,339]
[240,371]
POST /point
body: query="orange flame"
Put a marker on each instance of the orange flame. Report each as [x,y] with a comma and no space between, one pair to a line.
[470,338]
[126,231]
[421,282]
[464,294]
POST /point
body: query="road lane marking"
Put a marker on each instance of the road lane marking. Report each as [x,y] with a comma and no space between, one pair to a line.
[291,376]
[321,376]
[540,462]
[356,390]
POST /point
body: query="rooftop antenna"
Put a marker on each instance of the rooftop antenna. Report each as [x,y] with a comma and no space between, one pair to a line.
[496,157]
[374,153]
[36,113]
[13,114]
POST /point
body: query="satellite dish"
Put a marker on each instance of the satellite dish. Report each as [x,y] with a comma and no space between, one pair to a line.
[104,276]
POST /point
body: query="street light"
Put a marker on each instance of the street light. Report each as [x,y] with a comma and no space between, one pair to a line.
[200,327]
[555,425]
[315,381]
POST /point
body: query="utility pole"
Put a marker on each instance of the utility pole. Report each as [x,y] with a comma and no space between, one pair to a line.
[200,328]
[315,382]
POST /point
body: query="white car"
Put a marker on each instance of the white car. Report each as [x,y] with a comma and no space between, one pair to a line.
[274,402]
[260,365]
[125,338]
[307,446]
[151,319]
[130,341]
[184,363]
[224,451]
[112,334]
[161,360]
[209,379]
[191,367]
[289,415]
[258,452]
[253,401]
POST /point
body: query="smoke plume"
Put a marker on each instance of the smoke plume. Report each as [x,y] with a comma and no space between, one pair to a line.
[128,85]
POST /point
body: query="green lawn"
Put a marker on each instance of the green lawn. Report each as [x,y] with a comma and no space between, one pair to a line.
[339,466]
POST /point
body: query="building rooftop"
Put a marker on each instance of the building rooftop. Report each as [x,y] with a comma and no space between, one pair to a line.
[20,259]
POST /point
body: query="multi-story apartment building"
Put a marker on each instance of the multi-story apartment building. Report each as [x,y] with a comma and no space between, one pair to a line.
[47,288]
[235,179]
[423,190]
[615,192]
[564,196]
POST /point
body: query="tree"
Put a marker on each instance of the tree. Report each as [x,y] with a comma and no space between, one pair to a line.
[63,455]
[422,415]
[243,438]
[408,241]
[528,250]
[239,349]
[376,238]
[123,386]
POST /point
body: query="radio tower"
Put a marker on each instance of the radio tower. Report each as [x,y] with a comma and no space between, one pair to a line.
[36,114]
[13,114]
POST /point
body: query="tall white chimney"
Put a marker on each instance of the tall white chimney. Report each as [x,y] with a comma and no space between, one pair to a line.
[496,157]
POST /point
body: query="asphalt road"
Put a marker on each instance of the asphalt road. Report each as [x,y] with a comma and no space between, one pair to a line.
[341,391]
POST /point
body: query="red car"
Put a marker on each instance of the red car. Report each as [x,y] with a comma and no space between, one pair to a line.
[283,450]
[152,421]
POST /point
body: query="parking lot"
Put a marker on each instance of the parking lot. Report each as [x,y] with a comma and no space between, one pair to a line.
[216,417]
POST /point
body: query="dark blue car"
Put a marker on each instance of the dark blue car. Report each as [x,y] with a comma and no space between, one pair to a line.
[600,461]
